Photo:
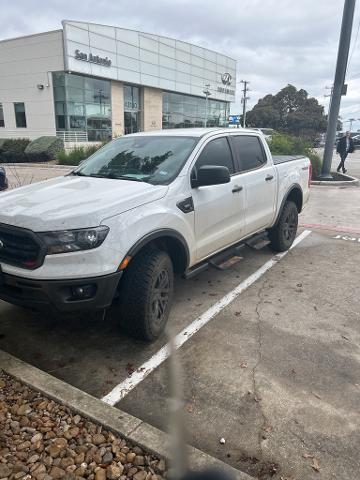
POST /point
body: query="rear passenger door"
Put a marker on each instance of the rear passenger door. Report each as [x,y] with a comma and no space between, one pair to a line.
[219,209]
[258,176]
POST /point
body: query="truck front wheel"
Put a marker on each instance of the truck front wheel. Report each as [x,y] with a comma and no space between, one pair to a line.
[146,293]
[283,233]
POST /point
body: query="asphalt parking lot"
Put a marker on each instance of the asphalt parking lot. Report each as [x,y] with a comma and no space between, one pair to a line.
[276,373]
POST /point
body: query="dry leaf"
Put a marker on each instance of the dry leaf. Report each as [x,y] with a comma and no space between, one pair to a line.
[315,465]
[308,455]
[243,365]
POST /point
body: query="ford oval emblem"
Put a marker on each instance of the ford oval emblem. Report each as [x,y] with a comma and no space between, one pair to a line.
[226,78]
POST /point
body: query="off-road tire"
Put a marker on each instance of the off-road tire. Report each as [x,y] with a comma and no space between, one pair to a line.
[283,234]
[148,283]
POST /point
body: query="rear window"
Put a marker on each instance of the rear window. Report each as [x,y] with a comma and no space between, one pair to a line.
[250,152]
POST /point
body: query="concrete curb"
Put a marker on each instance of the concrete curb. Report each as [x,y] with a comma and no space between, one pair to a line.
[133,429]
[350,182]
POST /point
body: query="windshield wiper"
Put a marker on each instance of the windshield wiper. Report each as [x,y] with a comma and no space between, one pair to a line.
[79,174]
[133,179]
[116,177]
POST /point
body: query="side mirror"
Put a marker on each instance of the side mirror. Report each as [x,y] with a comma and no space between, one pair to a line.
[211,175]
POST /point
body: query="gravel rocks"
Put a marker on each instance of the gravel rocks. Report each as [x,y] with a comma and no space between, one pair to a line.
[43,440]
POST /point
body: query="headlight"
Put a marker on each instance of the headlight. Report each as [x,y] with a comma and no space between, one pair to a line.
[74,240]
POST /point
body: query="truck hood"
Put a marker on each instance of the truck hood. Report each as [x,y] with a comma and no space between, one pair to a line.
[73,202]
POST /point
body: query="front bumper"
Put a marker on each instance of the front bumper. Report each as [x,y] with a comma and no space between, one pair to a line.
[59,295]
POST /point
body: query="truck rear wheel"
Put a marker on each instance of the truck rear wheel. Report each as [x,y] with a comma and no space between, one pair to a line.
[146,293]
[283,233]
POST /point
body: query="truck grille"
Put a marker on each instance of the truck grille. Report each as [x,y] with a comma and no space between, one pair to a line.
[20,247]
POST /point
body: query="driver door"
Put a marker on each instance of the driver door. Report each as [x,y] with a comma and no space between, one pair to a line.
[219,209]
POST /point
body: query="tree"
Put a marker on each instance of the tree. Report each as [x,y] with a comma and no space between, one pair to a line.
[290,111]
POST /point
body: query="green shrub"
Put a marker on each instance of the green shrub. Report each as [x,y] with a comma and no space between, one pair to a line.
[12,150]
[2,141]
[281,144]
[44,149]
[77,154]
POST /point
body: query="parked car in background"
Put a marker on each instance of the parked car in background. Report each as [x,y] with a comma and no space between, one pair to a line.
[356,140]
[3,179]
[112,232]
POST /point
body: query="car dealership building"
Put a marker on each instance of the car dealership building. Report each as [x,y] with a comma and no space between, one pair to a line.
[89,82]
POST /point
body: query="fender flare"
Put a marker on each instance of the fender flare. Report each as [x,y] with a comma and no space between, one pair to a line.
[293,187]
[156,234]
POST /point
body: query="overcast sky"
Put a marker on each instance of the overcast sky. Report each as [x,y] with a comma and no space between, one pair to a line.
[275,42]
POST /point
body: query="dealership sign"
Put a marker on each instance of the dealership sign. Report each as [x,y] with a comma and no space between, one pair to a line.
[105,62]
[226,90]
[234,119]
[226,78]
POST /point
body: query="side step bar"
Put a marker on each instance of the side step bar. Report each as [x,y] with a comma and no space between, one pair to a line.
[229,257]
[258,241]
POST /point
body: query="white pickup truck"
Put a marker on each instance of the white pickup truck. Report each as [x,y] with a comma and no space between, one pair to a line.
[113,232]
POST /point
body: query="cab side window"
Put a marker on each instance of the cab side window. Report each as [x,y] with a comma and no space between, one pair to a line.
[216,152]
[250,152]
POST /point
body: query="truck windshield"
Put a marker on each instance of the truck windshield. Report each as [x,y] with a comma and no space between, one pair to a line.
[152,159]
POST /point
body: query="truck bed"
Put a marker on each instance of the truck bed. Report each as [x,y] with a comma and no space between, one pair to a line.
[277,159]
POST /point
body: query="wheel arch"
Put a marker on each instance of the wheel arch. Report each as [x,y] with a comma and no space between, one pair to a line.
[168,240]
[294,194]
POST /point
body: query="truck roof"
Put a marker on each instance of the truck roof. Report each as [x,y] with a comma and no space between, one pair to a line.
[193,132]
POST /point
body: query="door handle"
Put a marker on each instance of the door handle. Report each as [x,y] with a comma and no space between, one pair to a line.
[269,177]
[237,188]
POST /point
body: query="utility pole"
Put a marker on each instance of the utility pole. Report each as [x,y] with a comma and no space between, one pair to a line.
[207,94]
[341,64]
[244,99]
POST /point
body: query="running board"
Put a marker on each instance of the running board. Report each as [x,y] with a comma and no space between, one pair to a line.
[258,241]
[229,257]
[221,261]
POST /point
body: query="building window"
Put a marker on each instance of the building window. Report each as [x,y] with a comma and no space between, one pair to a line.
[83,104]
[2,122]
[20,116]
[181,111]
[131,109]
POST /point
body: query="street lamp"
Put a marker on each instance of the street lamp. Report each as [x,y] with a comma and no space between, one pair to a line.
[350,120]
[207,94]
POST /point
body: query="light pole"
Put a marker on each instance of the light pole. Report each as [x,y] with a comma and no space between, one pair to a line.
[350,121]
[207,94]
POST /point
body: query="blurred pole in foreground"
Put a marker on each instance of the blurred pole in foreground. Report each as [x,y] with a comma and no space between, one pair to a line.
[341,65]
[178,457]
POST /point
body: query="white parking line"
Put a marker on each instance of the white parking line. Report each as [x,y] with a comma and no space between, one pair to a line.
[125,387]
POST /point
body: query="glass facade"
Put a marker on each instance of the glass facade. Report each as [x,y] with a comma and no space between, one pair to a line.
[181,111]
[131,109]
[83,104]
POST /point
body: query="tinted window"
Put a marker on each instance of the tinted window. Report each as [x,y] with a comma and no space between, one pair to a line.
[20,115]
[250,152]
[216,152]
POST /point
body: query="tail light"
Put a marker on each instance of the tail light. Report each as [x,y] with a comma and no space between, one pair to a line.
[310,175]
